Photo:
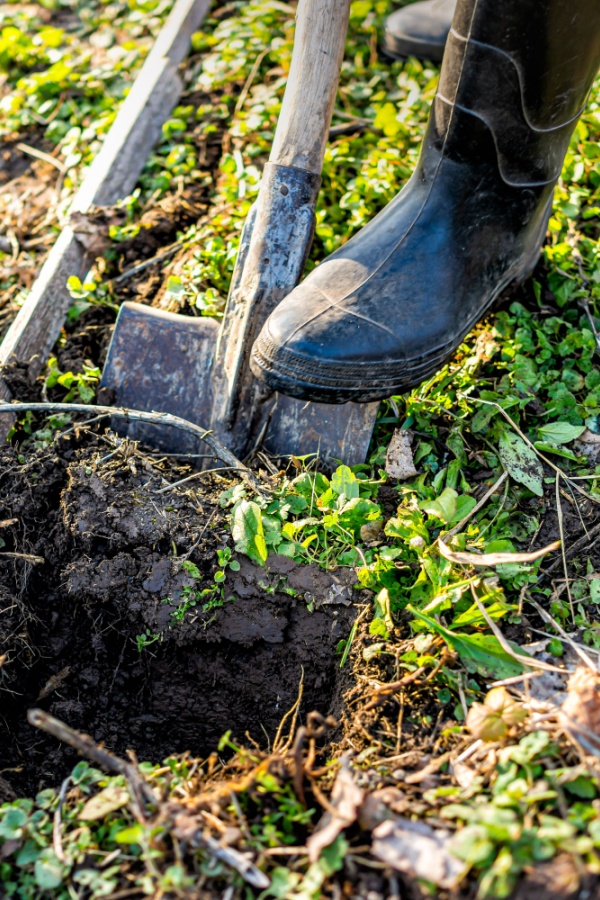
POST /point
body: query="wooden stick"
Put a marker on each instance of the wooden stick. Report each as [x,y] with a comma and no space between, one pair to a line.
[141,792]
[279,229]
[188,831]
[112,175]
[312,84]
[138,415]
[28,557]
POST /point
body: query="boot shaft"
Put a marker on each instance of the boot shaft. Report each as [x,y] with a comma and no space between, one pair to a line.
[514,81]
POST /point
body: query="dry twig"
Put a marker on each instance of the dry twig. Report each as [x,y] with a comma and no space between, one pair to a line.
[186,827]
[170,487]
[28,557]
[582,543]
[384,691]
[577,648]
[44,157]
[492,559]
[141,793]
[480,504]
[561,531]
[584,303]
[57,821]
[156,418]
[280,746]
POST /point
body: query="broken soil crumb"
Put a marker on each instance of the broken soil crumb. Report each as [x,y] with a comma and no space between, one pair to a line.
[399,459]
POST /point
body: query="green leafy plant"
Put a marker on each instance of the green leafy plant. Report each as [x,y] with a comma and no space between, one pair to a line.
[520,823]
[146,639]
[78,386]
[87,295]
[310,519]
[209,598]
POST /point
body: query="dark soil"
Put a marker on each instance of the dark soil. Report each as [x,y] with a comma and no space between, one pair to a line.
[14,162]
[112,549]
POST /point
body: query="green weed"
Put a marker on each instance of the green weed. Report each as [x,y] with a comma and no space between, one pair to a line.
[535,361]
[208,598]
[86,295]
[146,639]
[78,386]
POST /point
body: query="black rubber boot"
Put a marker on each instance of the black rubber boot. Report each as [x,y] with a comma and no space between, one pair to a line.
[419,29]
[388,309]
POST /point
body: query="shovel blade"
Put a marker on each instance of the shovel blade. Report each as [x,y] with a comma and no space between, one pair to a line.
[163,362]
[160,362]
[333,433]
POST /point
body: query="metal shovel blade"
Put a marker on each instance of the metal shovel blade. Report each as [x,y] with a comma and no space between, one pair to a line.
[159,361]
[333,433]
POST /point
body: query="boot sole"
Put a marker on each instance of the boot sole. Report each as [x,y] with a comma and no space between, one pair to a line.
[306,380]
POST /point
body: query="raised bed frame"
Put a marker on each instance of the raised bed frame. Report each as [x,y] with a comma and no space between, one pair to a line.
[112,176]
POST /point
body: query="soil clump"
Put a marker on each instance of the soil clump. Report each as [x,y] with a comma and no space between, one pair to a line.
[113,635]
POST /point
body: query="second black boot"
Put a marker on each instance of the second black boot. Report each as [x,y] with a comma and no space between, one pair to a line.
[419,29]
[388,309]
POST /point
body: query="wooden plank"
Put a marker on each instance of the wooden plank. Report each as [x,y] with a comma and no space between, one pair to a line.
[112,175]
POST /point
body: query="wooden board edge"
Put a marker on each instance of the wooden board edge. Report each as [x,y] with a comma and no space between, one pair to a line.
[112,175]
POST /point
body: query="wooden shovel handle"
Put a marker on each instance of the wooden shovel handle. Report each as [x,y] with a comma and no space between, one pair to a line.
[303,125]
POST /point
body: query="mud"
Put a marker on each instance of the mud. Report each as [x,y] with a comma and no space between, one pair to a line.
[112,549]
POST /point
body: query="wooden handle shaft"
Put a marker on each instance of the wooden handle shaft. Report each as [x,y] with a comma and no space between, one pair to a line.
[303,125]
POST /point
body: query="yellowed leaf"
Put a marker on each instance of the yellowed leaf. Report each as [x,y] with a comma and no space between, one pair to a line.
[107,801]
[346,799]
